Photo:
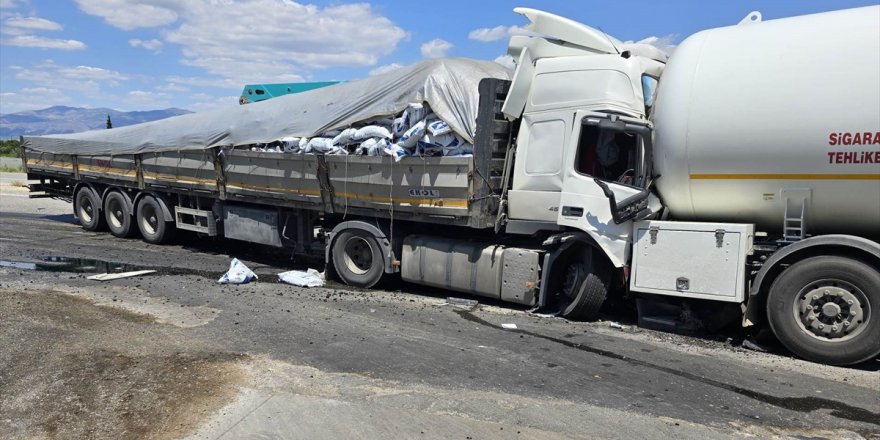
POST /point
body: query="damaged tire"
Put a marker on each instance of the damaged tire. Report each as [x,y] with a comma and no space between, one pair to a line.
[584,278]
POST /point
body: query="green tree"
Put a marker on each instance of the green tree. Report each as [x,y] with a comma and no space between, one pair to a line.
[109,123]
[10,148]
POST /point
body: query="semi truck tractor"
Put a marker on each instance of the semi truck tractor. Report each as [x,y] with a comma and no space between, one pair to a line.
[737,180]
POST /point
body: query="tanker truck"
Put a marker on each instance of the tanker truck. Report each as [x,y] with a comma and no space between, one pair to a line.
[739,179]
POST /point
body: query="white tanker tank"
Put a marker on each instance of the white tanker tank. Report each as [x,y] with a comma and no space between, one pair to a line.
[748,116]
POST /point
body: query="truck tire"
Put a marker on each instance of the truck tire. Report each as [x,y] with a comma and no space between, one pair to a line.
[825,309]
[585,280]
[358,258]
[118,215]
[154,229]
[87,207]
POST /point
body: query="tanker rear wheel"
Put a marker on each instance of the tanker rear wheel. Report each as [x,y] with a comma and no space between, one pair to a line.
[825,309]
[583,284]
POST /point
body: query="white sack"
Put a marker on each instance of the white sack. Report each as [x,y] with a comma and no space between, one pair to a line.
[310,278]
[320,145]
[238,273]
[345,137]
[437,127]
[372,131]
[411,138]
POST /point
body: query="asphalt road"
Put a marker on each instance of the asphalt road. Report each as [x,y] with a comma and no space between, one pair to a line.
[174,354]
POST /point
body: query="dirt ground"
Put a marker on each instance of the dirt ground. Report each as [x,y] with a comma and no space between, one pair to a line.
[100,372]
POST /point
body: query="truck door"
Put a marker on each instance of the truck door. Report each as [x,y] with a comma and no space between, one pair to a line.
[607,170]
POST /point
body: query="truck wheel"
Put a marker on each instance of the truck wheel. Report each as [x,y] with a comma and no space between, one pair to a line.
[87,207]
[824,310]
[584,284]
[117,215]
[357,258]
[154,229]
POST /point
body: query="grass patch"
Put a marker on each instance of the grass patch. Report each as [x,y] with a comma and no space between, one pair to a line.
[13,169]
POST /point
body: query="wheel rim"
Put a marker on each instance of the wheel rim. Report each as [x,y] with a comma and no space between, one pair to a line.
[86,209]
[116,210]
[572,278]
[149,219]
[832,310]
[358,255]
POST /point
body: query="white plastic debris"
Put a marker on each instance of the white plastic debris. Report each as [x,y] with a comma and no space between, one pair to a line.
[309,278]
[509,326]
[238,274]
[613,324]
[461,302]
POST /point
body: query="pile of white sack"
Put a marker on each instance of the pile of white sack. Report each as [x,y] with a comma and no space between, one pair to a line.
[416,132]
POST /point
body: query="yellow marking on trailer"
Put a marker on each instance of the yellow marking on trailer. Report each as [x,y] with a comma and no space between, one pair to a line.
[829,176]
[446,203]
[39,163]
[249,186]
[108,170]
[182,179]
[440,203]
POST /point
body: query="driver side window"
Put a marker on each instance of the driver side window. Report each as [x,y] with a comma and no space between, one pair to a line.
[607,154]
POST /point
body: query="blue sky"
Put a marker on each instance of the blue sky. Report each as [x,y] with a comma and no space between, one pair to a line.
[197,54]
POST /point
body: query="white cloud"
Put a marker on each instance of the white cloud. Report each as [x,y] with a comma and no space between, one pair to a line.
[18,25]
[260,40]
[205,102]
[89,72]
[664,43]
[172,87]
[43,43]
[385,69]
[84,79]
[7,4]
[130,14]
[496,33]
[152,45]
[506,61]
[436,48]
[31,98]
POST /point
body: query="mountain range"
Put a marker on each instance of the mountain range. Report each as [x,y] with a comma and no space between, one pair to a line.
[61,119]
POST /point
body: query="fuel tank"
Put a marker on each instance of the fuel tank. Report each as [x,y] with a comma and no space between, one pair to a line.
[753,118]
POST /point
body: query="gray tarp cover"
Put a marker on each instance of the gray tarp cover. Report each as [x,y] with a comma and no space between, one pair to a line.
[449,86]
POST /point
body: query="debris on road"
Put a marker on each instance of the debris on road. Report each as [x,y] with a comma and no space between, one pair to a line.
[751,345]
[116,276]
[616,325]
[509,326]
[310,278]
[238,274]
[461,302]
